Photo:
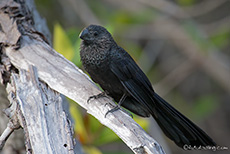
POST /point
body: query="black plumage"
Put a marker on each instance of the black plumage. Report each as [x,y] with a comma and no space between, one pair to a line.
[118,75]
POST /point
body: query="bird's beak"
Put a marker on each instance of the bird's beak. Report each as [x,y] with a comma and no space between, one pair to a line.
[84,35]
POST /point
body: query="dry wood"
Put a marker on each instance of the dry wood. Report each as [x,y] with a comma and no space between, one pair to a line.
[41,115]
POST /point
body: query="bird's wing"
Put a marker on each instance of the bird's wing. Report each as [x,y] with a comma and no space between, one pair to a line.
[133,79]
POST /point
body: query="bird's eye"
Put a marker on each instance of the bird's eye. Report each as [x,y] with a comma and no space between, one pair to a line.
[95,33]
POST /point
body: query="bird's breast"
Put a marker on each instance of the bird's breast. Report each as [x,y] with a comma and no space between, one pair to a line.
[94,59]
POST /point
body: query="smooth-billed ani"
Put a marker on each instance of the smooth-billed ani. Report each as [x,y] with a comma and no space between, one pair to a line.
[120,77]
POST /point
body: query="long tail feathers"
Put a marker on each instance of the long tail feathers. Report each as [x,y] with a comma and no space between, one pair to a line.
[177,127]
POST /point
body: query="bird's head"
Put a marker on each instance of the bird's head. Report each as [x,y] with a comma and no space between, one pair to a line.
[95,34]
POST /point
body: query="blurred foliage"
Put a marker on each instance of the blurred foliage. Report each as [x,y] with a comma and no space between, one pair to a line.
[222,38]
[218,40]
[204,106]
[126,17]
[62,42]
[67,44]
[186,2]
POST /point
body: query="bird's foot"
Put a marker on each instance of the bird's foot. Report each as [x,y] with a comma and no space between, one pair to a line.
[102,94]
[117,107]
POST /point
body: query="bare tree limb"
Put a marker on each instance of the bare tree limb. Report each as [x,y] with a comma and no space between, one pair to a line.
[40,113]
[33,104]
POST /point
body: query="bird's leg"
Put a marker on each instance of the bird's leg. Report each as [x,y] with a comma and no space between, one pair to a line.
[102,94]
[118,106]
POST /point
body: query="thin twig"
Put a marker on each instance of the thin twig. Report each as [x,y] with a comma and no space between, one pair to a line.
[11,126]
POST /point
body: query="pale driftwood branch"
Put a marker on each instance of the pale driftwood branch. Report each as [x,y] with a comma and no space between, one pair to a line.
[61,75]
[34,106]
[38,109]
[41,115]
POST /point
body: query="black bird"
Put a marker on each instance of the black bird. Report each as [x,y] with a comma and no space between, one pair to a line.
[120,77]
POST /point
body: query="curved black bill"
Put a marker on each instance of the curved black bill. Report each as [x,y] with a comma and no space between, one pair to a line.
[84,34]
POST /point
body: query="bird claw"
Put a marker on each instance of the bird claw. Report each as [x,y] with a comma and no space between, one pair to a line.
[102,94]
[112,110]
[117,107]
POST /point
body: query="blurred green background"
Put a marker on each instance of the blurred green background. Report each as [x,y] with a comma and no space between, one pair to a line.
[182,46]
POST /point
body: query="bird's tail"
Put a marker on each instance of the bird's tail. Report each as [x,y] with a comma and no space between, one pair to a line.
[177,127]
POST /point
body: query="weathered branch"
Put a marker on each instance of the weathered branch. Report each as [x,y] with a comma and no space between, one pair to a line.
[33,104]
[40,113]
[30,48]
